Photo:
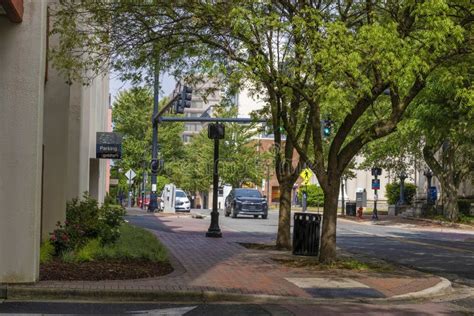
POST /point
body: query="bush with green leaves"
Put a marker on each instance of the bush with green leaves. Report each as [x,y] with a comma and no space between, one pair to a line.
[85,220]
[465,206]
[392,192]
[83,214]
[109,199]
[315,195]
[110,219]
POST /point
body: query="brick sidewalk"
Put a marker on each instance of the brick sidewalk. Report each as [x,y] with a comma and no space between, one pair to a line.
[222,265]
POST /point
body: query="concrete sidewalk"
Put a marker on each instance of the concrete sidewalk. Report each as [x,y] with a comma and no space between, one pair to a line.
[209,269]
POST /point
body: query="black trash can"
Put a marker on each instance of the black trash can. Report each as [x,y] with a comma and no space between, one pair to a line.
[306,230]
[351,208]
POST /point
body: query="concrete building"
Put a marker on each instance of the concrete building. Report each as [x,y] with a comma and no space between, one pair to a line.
[47,139]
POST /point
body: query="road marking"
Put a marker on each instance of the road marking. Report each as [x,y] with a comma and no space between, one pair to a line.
[175,311]
[393,237]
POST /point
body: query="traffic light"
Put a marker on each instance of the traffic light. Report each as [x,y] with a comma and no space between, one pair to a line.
[327,128]
[184,100]
[216,131]
[154,166]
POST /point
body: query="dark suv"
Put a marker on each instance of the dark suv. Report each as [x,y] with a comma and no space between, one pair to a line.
[245,202]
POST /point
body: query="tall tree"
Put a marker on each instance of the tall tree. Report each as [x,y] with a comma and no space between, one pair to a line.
[131,116]
[313,60]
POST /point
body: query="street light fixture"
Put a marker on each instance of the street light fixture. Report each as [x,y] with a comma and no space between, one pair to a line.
[402,177]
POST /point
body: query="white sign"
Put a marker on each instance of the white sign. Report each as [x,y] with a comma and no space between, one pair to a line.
[130,174]
[153,187]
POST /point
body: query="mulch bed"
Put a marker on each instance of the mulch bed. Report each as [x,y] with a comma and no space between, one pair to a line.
[102,270]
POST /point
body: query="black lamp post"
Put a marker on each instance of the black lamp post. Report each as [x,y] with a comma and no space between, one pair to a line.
[143,193]
[402,177]
[429,175]
[216,132]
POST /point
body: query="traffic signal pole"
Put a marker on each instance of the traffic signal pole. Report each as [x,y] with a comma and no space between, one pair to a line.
[153,205]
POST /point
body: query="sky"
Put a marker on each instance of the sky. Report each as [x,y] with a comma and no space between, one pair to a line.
[167,84]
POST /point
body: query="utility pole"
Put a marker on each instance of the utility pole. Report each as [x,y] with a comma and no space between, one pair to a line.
[153,205]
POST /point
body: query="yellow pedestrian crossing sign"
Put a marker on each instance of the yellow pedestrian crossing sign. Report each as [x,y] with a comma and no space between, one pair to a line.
[306,175]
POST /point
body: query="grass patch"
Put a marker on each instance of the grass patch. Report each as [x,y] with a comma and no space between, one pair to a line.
[466,219]
[46,252]
[339,264]
[134,244]
[463,219]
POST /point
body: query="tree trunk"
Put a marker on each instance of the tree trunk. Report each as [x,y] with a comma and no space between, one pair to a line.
[451,209]
[328,236]
[284,218]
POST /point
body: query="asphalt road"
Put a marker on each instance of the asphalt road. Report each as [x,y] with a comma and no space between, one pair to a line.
[124,308]
[449,254]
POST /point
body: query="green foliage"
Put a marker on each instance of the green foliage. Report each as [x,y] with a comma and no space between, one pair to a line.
[86,221]
[135,243]
[315,195]
[392,192]
[89,252]
[81,218]
[110,218]
[239,159]
[109,199]
[46,252]
[465,206]
[308,60]
[68,256]
[466,219]
[61,240]
[131,115]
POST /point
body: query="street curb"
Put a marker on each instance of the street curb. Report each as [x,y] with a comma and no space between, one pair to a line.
[442,223]
[33,293]
[442,287]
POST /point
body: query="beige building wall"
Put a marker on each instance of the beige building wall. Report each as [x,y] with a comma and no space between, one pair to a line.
[22,74]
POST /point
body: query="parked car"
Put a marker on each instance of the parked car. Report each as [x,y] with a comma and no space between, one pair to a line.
[246,202]
[182,202]
[147,200]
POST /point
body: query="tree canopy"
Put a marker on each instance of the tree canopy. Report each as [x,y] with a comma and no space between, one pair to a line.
[311,60]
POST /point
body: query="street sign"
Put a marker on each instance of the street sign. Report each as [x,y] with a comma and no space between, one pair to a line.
[306,175]
[114,181]
[130,174]
[375,184]
[108,145]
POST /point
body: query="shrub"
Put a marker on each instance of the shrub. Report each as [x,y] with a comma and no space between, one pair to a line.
[315,195]
[46,252]
[110,219]
[110,200]
[60,240]
[83,215]
[464,206]
[392,192]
